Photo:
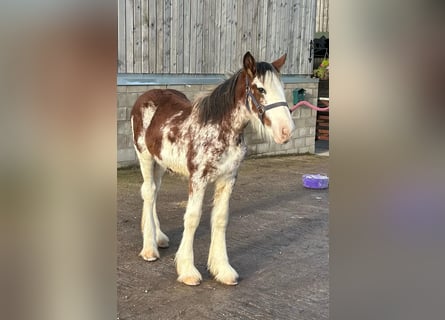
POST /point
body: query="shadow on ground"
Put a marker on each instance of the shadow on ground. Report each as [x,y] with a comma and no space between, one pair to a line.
[277,240]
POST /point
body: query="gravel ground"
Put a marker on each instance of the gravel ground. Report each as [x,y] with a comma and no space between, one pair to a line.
[277,240]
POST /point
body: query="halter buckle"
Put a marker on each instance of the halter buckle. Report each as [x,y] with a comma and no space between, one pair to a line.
[260,109]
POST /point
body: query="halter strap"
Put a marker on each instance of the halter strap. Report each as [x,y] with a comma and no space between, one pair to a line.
[260,107]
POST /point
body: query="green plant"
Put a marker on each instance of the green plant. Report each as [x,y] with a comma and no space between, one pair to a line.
[322,72]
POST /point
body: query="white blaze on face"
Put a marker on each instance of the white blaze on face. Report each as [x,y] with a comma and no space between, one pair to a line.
[282,124]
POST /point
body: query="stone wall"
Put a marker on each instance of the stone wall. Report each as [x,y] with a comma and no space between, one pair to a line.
[303,140]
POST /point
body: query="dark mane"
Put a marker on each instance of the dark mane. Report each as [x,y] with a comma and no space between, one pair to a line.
[215,107]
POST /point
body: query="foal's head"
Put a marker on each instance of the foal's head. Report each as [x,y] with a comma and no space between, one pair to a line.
[266,100]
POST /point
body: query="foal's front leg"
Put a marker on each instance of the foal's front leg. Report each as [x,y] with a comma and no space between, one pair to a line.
[187,272]
[218,263]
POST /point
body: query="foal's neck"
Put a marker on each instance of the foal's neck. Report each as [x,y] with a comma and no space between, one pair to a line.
[239,116]
[237,121]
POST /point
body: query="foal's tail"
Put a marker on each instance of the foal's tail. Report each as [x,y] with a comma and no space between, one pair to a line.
[141,116]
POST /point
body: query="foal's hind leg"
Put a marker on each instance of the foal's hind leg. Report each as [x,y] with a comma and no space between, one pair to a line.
[161,239]
[218,263]
[148,192]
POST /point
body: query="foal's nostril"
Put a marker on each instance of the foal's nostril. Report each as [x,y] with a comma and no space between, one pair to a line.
[285,132]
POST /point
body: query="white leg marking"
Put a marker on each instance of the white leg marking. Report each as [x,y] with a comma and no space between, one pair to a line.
[218,262]
[187,272]
[161,239]
[148,192]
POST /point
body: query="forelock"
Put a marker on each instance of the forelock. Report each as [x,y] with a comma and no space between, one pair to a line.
[263,68]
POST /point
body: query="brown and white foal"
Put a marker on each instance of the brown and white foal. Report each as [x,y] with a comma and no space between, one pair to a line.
[204,141]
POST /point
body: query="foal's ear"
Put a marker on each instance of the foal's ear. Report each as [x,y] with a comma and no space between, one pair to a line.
[279,62]
[249,64]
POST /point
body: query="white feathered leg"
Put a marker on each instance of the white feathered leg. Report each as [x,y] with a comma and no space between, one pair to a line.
[218,262]
[161,239]
[149,250]
[187,272]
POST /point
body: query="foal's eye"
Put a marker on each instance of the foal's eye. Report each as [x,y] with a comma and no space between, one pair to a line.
[261,90]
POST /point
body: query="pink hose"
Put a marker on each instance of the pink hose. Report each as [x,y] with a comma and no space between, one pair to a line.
[307,104]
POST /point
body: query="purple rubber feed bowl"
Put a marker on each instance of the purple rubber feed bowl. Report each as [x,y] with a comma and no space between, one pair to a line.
[315,181]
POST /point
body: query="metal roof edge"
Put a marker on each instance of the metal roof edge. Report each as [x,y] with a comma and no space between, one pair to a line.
[127,79]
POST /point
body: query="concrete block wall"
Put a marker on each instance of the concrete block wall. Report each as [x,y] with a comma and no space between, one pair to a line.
[303,140]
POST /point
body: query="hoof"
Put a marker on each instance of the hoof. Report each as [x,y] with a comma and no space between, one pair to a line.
[226,275]
[229,281]
[149,255]
[190,276]
[163,245]
[162,241]
[190,281]
[232,282]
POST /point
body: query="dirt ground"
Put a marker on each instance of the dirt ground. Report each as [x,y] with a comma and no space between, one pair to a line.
[277,240]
